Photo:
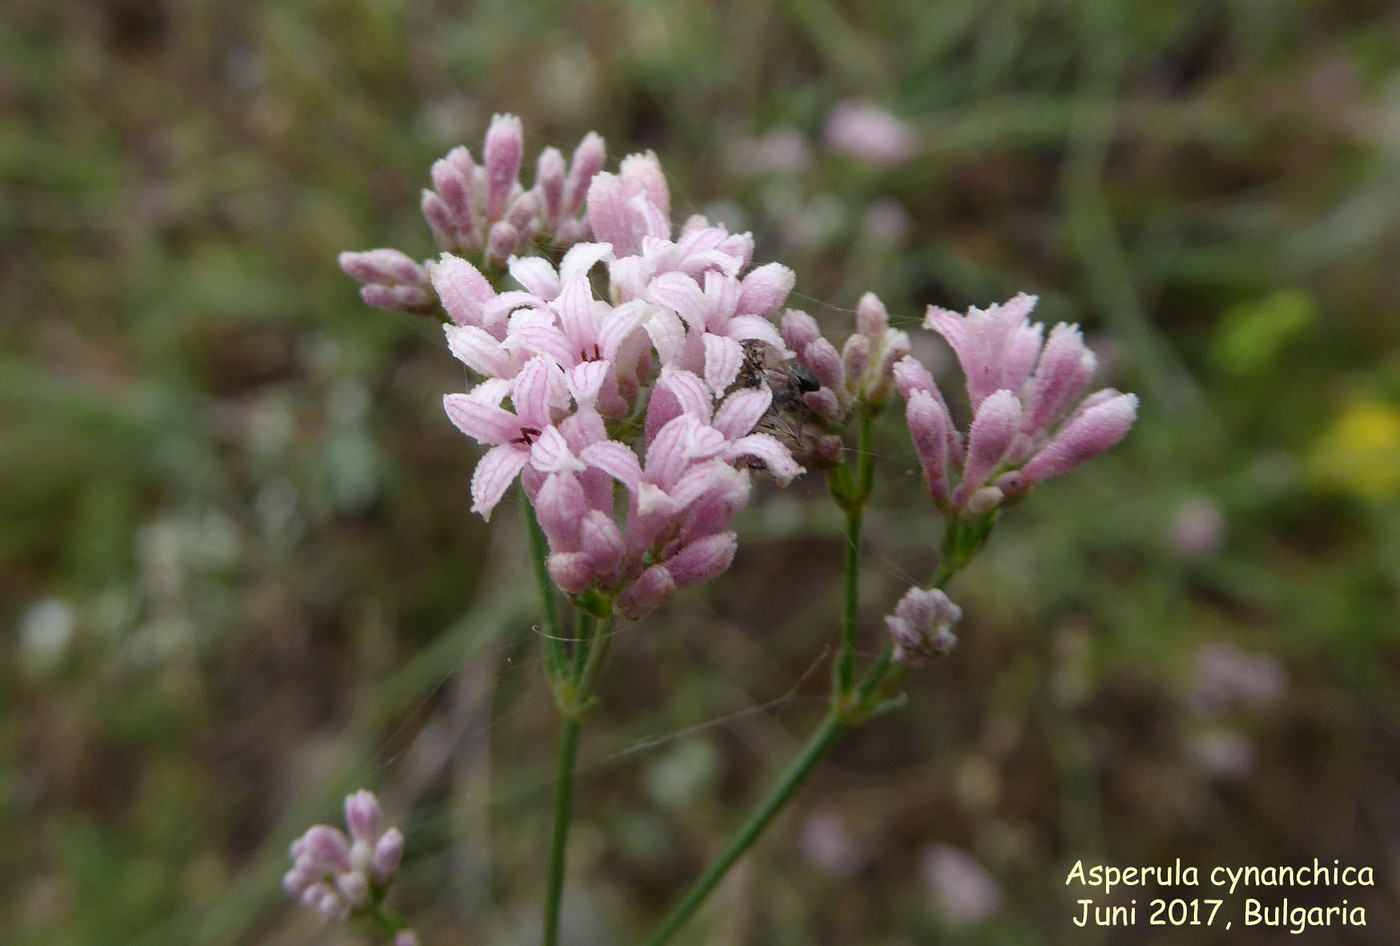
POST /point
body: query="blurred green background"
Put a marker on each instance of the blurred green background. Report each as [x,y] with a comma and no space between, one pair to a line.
[238,576]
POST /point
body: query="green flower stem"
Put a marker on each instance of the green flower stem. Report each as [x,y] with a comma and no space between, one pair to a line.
[387,920]
[553,639]
[563,801]
[832,728]
[853,500]
[850,705]
[573,693]
[845,715]
[590,662]
[843,669]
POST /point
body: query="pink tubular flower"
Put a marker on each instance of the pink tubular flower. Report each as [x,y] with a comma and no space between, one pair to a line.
[529,435]
[1023,389]
[335,875]
[681,501]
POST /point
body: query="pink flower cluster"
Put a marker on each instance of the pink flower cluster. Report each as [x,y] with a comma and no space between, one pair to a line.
[563,373]
[484,210]
[1028,423]
[333,874]
[921,626]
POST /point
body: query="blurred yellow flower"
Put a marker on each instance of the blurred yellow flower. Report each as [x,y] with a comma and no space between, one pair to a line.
[1360,452]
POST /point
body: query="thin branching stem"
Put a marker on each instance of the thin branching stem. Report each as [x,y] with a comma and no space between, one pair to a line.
[559,839]
[831,729]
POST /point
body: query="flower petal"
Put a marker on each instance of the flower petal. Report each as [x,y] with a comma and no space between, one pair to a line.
[994,427]
[667,333]
[690,391]
[494,474]
[615,459]
[483,422]
[581,258]
[723,359]
[776,457]
[479,350]
[537,276]
[751,326]
[462,289]
[550,453]
[741,411]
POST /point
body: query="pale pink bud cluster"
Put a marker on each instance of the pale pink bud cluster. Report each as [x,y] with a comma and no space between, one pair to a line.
[869,356]
[869,133]
[1028,423]
[921,626]
[863,370]
[334,874]
[390,280]
[561,372]
[484,210]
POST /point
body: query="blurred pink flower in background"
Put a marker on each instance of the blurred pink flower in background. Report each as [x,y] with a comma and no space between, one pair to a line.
[1227,678]
[826,841]
[870,134]
[961,890]
[1197,528]
[779,151]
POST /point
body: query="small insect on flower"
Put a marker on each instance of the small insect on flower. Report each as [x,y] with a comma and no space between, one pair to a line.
[788,418]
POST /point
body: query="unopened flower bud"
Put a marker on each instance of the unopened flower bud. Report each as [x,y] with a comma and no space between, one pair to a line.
[385,266]
[822,359]
[362,815]
[314,894]
[501,156]
[387,855]
[354,886]
[930,427]
[983,501]
[897,347]
[587,161]
[702,559]
[1097,427]
[571,571]
[764,289]
[608,214]
[330,874]
[648,592]
[601,539]
[799,329]
[641,175]
[445,227]
[326,847]
[332,905]
[921,626]
[872,318]
[550,175]
[523,211]
[302,875]
[452,179]
[855,358]
[502,243]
